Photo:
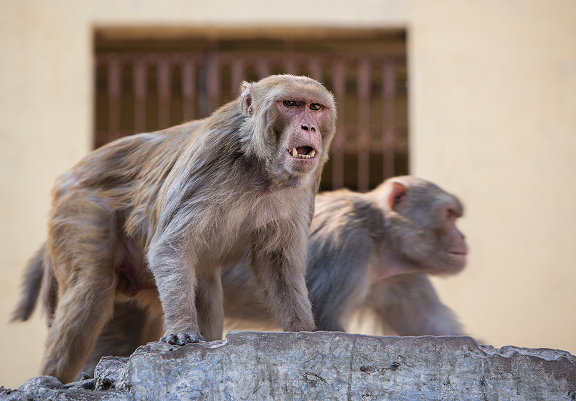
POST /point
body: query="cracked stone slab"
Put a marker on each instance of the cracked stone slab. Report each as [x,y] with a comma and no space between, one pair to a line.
[339,366]
[334,366]
[44,388]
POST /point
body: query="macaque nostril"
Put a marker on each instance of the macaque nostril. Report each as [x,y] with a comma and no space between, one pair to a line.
[304,127]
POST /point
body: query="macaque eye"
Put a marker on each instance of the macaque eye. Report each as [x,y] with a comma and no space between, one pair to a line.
[452,214]
[315,106]
[290,103]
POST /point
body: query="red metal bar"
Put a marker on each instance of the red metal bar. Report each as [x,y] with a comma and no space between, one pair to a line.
[237,75]
[114,93]
[262,67]
[337,151]
[363,140]
[188,89]
[213,82]
[139,79]
[164,92]
[389,94]
[315,68]
[289,63]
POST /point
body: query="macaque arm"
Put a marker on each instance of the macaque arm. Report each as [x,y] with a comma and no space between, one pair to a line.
[175,275]
[280,276]
[410,306]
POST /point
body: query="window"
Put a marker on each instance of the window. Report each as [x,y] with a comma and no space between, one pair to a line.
[145,84]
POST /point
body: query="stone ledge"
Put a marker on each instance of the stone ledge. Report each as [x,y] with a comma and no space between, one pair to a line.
[321,366]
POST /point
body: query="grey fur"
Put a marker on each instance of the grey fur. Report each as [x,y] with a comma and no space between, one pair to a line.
[348,232]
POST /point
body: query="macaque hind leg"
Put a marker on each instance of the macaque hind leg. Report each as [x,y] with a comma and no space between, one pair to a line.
[121,335]
[175,278]
[81,241]
[280,274]
[82,313]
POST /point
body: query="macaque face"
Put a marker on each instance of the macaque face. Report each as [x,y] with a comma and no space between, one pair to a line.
[302,143]
[294,120]
[423,219]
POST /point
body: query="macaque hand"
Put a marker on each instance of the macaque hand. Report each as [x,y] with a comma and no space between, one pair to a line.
[182,338]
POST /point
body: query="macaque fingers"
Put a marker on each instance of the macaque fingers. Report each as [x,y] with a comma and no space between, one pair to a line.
[182,338]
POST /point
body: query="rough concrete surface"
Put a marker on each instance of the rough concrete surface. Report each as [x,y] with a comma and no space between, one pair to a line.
[321,366]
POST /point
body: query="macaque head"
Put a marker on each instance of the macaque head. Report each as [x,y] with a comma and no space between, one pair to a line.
[293,120]
[421,221]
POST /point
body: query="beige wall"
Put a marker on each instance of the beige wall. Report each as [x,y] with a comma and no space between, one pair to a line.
[493,117]
[493,91]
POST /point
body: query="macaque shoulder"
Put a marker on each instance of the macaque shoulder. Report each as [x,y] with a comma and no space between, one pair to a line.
[345,212]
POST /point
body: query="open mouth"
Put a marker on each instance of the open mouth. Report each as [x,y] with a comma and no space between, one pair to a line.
[302,152]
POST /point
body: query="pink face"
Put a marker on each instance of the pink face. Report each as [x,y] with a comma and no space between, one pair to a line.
[425,227]
[303,143]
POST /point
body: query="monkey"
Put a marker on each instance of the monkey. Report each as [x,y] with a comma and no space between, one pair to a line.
[153,218]
[372,252]
[366,252]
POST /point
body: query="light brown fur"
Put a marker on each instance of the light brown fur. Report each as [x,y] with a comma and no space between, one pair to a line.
[155,216]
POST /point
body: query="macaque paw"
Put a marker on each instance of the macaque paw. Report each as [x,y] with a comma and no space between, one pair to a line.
[182,338]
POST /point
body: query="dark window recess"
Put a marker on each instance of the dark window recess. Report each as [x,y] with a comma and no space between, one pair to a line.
[143,86]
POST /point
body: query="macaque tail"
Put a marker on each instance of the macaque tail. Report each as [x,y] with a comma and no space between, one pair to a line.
[30,287]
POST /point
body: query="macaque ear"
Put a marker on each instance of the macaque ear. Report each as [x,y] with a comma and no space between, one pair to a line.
[246,99]
[396,194]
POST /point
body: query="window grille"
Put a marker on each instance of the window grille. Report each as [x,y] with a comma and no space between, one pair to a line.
[145,91]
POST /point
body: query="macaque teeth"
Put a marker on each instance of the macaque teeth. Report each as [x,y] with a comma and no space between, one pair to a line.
[295,154]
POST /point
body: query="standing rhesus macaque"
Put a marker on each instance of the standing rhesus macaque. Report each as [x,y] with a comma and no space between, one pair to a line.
[156,216]
[374,252]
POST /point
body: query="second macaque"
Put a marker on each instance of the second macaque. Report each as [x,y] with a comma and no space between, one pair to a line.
[372,252]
